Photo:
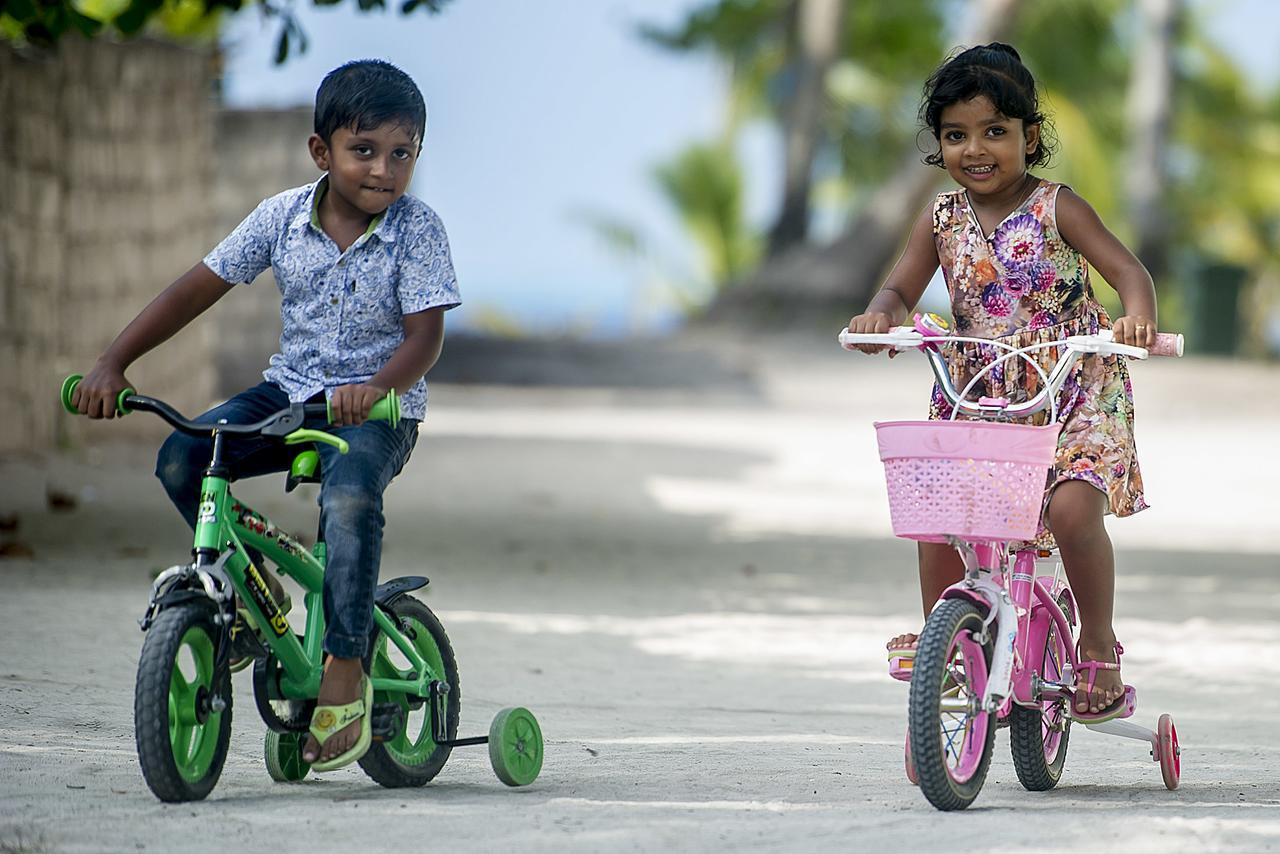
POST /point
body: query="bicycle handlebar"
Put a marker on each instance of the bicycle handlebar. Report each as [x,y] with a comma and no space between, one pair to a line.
[281,424]
[911,338]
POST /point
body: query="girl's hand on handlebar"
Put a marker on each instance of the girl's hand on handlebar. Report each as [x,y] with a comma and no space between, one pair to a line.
[872,323]
[1136,330]
[350,404]
[96,394]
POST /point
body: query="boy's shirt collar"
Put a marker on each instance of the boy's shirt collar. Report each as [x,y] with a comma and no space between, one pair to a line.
[381,226]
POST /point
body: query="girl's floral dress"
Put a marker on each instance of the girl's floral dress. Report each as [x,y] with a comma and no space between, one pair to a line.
[1023,285]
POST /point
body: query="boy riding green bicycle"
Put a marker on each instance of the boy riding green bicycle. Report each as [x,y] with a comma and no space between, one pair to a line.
[365,275]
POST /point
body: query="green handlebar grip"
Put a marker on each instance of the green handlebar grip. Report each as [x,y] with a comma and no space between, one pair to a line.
[69,388]
[387,409]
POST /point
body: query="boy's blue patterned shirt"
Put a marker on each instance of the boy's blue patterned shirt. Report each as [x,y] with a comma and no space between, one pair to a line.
[341,312]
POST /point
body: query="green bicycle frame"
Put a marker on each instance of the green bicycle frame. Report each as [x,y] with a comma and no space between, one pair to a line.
[225,523]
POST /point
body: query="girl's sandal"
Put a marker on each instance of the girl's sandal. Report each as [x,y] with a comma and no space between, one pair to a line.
[901,661]
[1122,707]
[329,720]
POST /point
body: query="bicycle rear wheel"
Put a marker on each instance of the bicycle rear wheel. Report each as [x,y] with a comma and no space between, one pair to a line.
[951,739]
[1038,736]
[412,757]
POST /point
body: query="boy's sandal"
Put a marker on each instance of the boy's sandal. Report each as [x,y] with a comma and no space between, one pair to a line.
[330,720]
[901,661]
[245,623]
[1121,707]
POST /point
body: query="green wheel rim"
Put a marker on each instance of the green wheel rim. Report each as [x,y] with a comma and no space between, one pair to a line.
[283,754]
[193,741]
[515,747]
[415,744]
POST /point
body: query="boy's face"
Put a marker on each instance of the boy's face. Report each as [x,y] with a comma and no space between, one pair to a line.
[369,170]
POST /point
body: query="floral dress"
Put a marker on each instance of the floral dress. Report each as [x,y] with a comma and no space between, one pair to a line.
[1023,285]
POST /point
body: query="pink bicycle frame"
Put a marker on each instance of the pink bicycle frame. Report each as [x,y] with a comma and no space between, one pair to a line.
[1021,609]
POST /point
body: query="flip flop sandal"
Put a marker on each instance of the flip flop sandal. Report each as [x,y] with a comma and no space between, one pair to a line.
[329,720]
[901,661]
[1122,707]
[244,623]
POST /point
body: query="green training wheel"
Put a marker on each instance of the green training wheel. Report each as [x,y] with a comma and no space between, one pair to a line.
[515,746]
[283,752]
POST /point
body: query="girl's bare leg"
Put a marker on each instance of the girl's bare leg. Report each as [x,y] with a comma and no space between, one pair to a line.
[940,567]
[1075,516]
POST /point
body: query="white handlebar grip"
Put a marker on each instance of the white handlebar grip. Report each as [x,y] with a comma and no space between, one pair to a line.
[1167,344]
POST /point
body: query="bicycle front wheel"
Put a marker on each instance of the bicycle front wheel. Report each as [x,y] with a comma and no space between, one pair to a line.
[182,705]
[951,737]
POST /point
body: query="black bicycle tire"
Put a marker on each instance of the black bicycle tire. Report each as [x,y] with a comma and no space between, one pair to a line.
[151,705]
[381,766]
[1026,744]
[946,621]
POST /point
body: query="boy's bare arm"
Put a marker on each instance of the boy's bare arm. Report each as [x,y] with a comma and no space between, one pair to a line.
[180,303]
[423,339]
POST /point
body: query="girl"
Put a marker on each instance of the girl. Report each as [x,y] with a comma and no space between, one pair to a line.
[1015,252]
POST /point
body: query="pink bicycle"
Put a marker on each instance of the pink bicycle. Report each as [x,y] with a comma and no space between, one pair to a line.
[998,647]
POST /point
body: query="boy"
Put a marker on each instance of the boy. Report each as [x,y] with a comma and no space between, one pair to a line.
[365,277]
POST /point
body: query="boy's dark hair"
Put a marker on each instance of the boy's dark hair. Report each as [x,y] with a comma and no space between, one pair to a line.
[996,71]
[366,94]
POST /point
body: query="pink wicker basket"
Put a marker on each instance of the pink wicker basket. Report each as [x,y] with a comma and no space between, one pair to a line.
[972,479]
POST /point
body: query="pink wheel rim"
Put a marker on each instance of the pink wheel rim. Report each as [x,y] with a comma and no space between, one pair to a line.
[1053,712]
[964,735]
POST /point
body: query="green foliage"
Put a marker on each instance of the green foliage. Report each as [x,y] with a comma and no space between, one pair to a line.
[704,183]
[1224,144]
[44,22]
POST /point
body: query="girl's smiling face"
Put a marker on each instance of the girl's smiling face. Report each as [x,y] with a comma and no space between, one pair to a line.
[984,150]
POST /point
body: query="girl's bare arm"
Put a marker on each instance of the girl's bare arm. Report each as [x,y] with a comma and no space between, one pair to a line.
[1081,227]
[176,306]
[905,283]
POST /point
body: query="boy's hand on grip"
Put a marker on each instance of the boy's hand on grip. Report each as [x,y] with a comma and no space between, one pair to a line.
[350,404]
[96,394]
[872,323]
[1135,330]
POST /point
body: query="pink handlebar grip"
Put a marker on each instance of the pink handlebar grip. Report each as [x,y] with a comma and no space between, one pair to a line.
[1166,344]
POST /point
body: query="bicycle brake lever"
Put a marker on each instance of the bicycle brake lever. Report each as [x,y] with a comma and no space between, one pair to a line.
[297,437]
[288,421]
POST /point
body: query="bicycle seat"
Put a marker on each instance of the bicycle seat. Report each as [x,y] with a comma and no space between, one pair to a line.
[305,468]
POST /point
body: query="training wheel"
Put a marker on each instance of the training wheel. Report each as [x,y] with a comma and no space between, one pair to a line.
[283,752]
[913,776]
[1170,754]
[515,746]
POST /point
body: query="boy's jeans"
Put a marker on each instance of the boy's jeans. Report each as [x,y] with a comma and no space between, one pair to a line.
[350,498]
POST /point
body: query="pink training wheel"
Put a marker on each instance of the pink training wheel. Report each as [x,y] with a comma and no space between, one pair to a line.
[913,776]
[1170,754]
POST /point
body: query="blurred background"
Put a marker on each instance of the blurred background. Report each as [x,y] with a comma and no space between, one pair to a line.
[622,168]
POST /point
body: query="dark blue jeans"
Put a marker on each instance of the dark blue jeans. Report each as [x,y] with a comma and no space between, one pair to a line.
[350,498]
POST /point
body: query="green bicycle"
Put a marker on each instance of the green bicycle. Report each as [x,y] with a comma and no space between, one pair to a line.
[182,702]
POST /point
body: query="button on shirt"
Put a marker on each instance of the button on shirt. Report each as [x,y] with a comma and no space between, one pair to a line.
[341,312]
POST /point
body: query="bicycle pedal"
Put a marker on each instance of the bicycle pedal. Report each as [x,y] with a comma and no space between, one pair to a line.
[387,721]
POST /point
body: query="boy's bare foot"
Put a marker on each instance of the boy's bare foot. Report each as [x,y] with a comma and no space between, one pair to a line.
[1108,685]
[339,686]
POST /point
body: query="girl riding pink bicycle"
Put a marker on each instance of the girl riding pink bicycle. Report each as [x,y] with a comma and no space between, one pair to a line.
[1016,251]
